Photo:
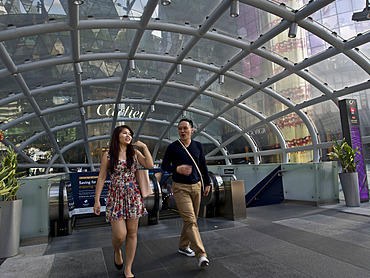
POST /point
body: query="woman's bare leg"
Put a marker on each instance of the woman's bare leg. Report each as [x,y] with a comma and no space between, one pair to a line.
[131,243]
[119,234]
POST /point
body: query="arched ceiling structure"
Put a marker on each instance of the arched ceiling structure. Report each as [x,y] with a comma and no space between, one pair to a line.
[70,73]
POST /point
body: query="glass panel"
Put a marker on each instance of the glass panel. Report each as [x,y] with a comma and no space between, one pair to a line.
[99,129]
[23,131]
[171,95]
[191,11]
[300,157]
[159,42]
[40,150]
[264,138]
[75,155]
[326,119]
[256,67]
[294,88]
[339,72]
[63,117]
[106,40]
[264,103]
[231,88]
[8,87]
[240,116]
[165,113]
[105,91]
[276,158]
[218,130]
[250,23]
[365,49]
[46,76]
[139,91]
[207,103]
[193,76]
[153,129]
[56,98]
[38,47]
[68,135]
[97,148]
[208,51]
[294,130]
[239,146]
[149,69]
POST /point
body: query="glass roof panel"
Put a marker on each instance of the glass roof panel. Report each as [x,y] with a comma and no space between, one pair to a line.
[68,135]
[231,88]
[249,25]
[264,103]
[55,98]
[240,145]
[165,113]
[300,157]
[161,42]
[209,51]
[63,117]
[149,69]
[99,129]
[365,49]
[339,72]
[102,69]
[294,88]
[38,47]
[139,91]
[171,95]
[326,119]
[8,86]
[46,76]
[257,68]
[209,104]
[105,91]
[265,138]
[106,40]
[23,131]
[240,116]
[97,148]
[217,130]
[40,149]
[191,11]
[294,130]
[192,75]
[153,129]
[77,155]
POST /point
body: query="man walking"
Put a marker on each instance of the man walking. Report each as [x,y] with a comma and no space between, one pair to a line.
[187,187]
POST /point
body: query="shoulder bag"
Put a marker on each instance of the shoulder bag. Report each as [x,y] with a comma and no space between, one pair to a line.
[142,177]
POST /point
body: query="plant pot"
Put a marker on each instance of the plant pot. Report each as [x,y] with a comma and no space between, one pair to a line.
[349,182]
[10,228]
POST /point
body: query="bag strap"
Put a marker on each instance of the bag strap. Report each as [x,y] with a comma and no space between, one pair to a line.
[196,166]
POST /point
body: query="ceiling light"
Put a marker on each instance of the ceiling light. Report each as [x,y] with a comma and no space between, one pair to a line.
[234,9]
[78,2]
[132,65]
[82,110]
[179,69]
[293,30]
[165,2]
[152,108]
[78,68]
[221,79]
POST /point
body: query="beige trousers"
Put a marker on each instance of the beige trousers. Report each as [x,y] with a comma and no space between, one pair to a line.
[187,197]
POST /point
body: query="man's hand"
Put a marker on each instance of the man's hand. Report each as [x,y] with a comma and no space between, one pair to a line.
[206,190]
[184,169]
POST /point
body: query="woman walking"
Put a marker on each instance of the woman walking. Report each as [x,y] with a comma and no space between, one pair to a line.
[124,204]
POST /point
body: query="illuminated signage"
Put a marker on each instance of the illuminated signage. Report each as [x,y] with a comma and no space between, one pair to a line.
[107,110]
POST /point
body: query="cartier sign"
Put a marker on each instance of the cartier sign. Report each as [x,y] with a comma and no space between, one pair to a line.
[107,110]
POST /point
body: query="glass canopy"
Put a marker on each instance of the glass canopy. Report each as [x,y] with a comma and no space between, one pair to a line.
[70,73]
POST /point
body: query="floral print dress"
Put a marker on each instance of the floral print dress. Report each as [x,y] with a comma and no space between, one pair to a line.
[124,199]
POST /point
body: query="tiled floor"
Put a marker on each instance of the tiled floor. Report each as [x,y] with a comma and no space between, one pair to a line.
[285,240]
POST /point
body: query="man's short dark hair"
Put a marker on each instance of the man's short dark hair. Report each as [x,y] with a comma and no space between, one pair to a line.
[187,120]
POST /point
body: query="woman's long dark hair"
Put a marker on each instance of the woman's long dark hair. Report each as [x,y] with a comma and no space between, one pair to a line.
[114,149]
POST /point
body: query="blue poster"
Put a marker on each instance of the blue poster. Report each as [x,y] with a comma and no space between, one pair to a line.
[83,191]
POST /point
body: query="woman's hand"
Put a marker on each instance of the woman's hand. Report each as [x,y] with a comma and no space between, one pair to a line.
[140,145]
[97,207]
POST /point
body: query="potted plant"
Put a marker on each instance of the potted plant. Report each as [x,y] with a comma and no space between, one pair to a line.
[349,177]
[11,208]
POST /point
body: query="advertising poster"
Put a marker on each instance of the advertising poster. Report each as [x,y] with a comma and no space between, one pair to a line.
[83,191]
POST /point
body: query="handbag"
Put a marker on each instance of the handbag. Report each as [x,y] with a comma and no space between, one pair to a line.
[142,177]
